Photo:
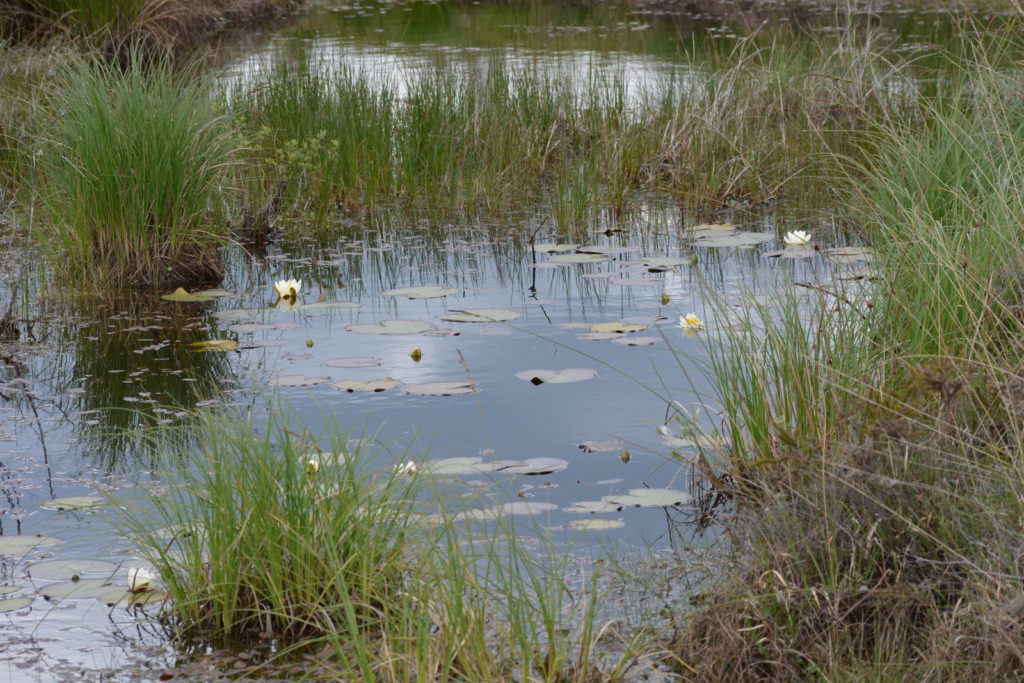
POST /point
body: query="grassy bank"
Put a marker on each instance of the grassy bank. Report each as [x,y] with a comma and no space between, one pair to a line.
[877,433]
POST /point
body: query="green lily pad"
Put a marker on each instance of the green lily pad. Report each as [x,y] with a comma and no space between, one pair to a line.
[14,604]
[84,588]
[710,230]
[599,446]
[579,258]
[122,597]
[658,262]
[233,315]
[599,336]
[354,362]
[557,376]
[636,341]
[596,524]
[297,381]
[7,590]
[552,248]
[736,239]
[248,327]
[181,295]
[650,498]
[391,327]
[480,315]
[216,293]
[592,507]
[214,345]
[848,255]
[637,281]
[351,385]
[619,326]
[536,466]
[440,388]
[73,503]
[601,249]
[790,253]
[430,292]
[459,465]
[507,509]
[61,570]
[21,545]
[326,306]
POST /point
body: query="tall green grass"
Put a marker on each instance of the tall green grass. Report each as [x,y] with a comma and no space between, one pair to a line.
[879,538]
[134,176]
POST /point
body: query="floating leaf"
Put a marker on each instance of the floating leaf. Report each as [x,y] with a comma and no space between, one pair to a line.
[579,258]
[14,604]
[557,376]
[506,509]
[646,319]
[848,255]
[73,503]
[391,327]
[637,281]
[480,315]
[297,381]
[536,466]
[591,507]
[599,446]
[790,253]
[20,545]
[737,239]
[353,362]
[710,230]
[7,590]
[459,465]
[601,249]
[233,315]
[596,524]
[551,247]
[122,597]
[327,306]
[440,388]
[181,295]
[214,345]
[59,570]
[351,385]
[430,292]
[636,341]
[599,336]
[619,326]
[650,498]
[658,262]
[84,588]
[216,293]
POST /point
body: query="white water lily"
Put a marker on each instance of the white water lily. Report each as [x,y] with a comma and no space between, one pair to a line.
[287,304]
[406,468]
[690,322]
[140,579]
[288,289]
[312,467]
[797,238]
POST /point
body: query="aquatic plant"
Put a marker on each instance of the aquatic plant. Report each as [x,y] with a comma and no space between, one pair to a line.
[131,177]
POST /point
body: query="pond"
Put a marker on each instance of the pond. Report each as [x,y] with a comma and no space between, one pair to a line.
[492,304]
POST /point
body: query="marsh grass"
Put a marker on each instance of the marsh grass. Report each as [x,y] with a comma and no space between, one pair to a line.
[880,453]
[340,568]
[133,175]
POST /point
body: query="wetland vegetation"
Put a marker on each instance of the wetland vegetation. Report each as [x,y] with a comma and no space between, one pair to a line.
[830,440]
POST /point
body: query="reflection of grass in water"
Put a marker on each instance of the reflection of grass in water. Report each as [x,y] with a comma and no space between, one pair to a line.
[336,560]
[118,382]
[880,447]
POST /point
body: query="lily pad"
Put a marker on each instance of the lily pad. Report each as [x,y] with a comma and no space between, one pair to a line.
[354,362]
[247,327]
[650,498]
[619,326]
[326,306]
[481,315]
[181,295]
[710,230]
[7,590]
[216,293]
[214,345]
[736,239]
[535,466]
[579,258]
[122,597]
[659,262]
[599,336]
[591,507]
[557,376]
[599,446]
[636,341]
[507,509]
[552,248]
[73,503]
[459,465]
[14,604]
[637,281]
[20,545]
[440,388]
[790,253]
[84,588]
[233,315]
[847,255]
[62,570]
[391,327]
[430,292]
[351,385]
[596,524]
[297,381]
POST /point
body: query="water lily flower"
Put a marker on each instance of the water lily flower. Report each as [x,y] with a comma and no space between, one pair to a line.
[690,322]
[797,238]
[312,467]
[664,430]
[288,288]
[287,304]
[406,468]
[140,579]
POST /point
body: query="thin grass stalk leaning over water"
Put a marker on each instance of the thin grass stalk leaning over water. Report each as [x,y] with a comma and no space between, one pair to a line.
[131,176]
